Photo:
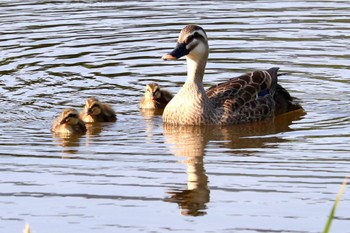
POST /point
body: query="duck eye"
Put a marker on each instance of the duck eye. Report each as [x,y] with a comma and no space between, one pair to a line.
[189,39]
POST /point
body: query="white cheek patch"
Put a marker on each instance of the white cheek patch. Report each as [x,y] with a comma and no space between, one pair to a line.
[200,49]
[201,33]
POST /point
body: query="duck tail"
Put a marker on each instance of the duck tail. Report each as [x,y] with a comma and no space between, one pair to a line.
[284,101]
[273,73]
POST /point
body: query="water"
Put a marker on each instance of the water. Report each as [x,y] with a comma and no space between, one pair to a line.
[137,175]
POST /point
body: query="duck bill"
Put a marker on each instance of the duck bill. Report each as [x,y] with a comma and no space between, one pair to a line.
[63,121]
[89,111]
[179,51]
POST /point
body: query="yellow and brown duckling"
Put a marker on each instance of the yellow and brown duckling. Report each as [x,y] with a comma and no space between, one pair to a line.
[68,122]
[154,97]
[95,111]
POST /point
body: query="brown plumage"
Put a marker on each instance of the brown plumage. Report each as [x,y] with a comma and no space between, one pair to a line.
[95,111]
[68,122]
[284,101]
[155,97]
[250,97]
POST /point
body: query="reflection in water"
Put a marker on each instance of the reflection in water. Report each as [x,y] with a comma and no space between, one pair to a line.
[190,142]
[70,143]
[258,135]
[94,128]
[151,116]
[148,113]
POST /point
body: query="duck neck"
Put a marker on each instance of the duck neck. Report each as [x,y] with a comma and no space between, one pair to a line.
[195,72]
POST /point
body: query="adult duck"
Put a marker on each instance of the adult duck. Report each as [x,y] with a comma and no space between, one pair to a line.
[250,97]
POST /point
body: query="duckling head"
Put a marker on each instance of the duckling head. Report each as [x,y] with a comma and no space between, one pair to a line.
[93,106]
[152,91]
[192,43]
[69,116]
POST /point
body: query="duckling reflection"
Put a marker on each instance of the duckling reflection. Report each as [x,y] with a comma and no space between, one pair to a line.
[153,122]
[69,143]
[94,129]
[190,142]
[67,129]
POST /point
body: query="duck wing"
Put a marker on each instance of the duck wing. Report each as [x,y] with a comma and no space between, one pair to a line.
[247,98]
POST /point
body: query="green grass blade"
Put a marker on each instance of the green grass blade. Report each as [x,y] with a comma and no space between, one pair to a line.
[331,216]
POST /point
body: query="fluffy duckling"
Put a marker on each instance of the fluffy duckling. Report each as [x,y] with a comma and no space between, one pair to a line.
[68,122]
[154,97]
[95,111]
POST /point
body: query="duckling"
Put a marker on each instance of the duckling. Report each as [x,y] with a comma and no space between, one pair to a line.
[154,97]
[251,97]
[68,122]
[95,111]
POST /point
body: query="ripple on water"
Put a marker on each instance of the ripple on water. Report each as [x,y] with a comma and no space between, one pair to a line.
[55,54]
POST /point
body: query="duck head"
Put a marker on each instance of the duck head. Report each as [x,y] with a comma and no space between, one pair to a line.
[92,106]
[152,91]
[69,116]
[192,43]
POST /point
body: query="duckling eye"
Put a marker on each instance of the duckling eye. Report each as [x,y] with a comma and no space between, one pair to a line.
[71,115]
[94,106]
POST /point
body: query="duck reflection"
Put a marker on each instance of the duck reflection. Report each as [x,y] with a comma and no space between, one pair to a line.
[244,139]
[191,141]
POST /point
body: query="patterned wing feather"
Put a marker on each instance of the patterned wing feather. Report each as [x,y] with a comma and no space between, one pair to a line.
[238,92]
[247,98]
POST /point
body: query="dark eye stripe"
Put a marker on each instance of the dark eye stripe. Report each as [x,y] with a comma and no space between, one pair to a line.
[196,35]
[94,106]
[72,115]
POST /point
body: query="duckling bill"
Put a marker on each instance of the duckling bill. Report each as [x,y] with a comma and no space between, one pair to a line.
[155,97]
[68,122]
[96,111]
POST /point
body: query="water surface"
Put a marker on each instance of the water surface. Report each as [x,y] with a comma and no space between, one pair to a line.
[137,175]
